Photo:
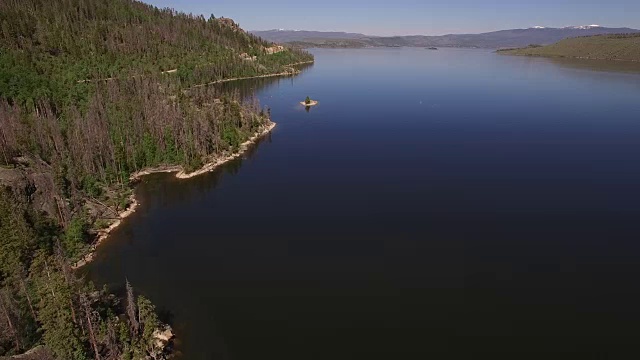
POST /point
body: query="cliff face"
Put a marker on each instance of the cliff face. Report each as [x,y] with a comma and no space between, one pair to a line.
[34,181]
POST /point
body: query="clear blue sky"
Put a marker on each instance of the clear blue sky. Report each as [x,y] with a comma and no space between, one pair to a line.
[406,17]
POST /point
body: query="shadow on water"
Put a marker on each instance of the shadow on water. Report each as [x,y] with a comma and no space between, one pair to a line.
[161,189]
[158,191]
[596,65]
[248,88]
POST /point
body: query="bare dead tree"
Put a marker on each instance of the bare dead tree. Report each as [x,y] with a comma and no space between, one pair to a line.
[69,277]
[113,351]
[4,308]
[131,310]
[84,302]
[23,287]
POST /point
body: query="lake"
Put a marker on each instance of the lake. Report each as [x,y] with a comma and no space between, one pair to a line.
[451,204]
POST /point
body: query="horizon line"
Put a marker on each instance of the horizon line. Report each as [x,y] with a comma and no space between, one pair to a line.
[538,27]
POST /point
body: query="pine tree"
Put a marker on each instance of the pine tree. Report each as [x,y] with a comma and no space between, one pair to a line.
[148,321]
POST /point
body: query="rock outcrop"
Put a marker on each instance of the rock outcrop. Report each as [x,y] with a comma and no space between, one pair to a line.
[33,181]
[247,57]
[162,343]
[37,353]
[274,49]
[230,23]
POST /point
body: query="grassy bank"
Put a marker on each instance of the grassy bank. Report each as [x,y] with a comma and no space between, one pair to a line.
[622,47]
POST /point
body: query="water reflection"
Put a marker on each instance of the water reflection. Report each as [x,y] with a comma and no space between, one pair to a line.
[248,88]
[159,190]
[596,65]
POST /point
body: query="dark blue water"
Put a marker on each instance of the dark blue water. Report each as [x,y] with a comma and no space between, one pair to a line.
[452,204]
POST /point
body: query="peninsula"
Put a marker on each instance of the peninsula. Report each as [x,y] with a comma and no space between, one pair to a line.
[619,47]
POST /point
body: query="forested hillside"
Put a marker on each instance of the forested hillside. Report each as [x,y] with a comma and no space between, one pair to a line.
[621,47]
[49,45]
[92,91]
[43,302]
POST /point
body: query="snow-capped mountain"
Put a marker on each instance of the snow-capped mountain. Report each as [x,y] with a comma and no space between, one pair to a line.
[584,27]
[579,27]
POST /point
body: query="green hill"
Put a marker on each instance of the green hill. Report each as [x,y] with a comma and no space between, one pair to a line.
[92,91]
[622,47]
[48,45]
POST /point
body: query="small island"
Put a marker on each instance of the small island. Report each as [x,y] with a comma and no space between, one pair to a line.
[308,102]
[432,48]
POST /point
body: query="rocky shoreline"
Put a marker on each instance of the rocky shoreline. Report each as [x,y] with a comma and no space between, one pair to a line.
[180,174]
[104,233]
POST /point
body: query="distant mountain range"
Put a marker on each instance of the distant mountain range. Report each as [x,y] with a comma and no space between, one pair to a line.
[491,40]
[285,36]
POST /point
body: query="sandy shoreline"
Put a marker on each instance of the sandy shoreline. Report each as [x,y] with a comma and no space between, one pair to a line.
[180,174]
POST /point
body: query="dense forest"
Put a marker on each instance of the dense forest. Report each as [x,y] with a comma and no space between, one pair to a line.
[92,91]
[43,301]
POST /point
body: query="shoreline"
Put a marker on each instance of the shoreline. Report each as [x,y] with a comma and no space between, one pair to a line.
[104,233]
[286,73]
[208,167]
[174,71]
[510,52]
[180,174]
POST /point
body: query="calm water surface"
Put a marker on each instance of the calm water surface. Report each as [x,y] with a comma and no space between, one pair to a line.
[451,204]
